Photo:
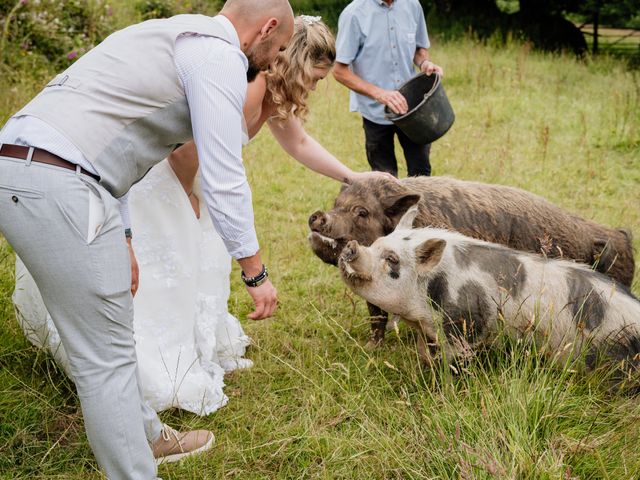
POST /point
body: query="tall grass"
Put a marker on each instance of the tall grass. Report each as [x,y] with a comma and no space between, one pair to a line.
[318,405]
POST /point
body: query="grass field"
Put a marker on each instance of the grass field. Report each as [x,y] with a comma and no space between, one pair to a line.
[316,404]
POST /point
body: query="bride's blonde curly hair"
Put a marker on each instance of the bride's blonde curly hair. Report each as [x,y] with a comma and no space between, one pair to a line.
[291,74]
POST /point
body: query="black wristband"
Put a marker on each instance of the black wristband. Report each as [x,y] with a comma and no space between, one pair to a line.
[128,233]
[257,280]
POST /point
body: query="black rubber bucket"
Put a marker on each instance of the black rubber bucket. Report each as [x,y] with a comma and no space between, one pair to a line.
[430,115]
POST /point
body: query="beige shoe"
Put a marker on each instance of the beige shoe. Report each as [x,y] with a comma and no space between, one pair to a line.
[173,445]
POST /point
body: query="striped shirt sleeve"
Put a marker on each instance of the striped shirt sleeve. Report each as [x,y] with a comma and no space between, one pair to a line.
[213,74]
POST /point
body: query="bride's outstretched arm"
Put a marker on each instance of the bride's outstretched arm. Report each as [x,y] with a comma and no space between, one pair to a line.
[291,135]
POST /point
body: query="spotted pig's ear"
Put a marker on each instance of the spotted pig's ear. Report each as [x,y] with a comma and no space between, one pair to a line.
[406,222]
[429,254]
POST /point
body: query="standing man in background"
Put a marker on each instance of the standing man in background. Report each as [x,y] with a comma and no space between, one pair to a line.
[378,44]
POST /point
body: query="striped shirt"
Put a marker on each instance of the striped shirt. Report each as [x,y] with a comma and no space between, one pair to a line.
[213,74]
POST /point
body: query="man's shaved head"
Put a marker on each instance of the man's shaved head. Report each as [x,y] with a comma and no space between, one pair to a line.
[264,28]
[254,10]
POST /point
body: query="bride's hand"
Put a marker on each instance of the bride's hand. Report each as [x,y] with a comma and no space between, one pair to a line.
[265,299]
[135,271]
[372,176]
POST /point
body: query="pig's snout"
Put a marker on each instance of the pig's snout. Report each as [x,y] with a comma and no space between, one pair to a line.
[350,252]
[317,221]
[351,265]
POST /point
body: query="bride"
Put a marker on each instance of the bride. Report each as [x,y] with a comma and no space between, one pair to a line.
[185,337]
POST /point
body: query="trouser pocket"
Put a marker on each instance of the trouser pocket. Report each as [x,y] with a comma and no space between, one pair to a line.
[15,193]
[97,214]
[18,207]
[83,208]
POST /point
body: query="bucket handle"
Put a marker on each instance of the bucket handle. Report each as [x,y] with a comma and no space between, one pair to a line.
[393,117]
[435,85]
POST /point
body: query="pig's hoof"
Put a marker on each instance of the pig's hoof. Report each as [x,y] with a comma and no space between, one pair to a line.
[374,344]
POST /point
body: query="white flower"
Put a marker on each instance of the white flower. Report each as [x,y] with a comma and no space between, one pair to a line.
[309,19]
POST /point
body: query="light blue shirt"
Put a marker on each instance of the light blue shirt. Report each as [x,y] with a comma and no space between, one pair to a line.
[379,42]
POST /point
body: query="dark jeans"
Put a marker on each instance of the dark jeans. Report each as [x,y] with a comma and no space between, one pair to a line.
[381,150]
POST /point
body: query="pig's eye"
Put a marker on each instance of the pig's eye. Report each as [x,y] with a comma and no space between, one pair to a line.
[361,212]
[392,259]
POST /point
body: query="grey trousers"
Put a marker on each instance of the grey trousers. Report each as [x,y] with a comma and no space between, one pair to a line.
[85,285]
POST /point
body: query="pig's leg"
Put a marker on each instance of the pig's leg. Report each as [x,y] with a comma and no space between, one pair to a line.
[378,319]
[425,350]
[445,352]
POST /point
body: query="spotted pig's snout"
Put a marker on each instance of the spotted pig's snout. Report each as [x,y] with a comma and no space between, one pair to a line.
[350,251]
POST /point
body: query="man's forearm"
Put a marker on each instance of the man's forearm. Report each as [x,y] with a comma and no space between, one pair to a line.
[390,98]
[251,266]
[345,76]
[422,60]
[422,54]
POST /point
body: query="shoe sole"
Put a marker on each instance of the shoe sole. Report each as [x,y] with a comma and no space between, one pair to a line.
[176,457]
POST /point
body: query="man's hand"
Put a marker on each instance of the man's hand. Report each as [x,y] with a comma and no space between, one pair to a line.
[429,67]
[265,299]
[392,99]
[135,271]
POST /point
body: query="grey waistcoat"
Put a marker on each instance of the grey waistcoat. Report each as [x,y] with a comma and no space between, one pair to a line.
[122,104]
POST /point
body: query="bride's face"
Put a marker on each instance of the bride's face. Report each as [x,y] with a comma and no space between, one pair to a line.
[319,73]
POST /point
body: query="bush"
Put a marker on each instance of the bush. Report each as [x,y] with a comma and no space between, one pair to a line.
[155,9]
[149,9]
[329,10]
[45,34]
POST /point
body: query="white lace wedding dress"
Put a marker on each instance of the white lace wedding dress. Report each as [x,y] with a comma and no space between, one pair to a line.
[185,337]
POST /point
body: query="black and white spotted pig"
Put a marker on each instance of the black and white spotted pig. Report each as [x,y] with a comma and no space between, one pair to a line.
[456,288]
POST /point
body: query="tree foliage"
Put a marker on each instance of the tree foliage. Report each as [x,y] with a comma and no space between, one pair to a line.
[615,13]
[54,32]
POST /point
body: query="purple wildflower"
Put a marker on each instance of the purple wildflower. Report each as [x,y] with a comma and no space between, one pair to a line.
[72,55]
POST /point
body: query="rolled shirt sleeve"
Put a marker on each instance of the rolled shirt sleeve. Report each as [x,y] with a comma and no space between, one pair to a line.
[422,37]
[348,40]
[213,74]
[124,210]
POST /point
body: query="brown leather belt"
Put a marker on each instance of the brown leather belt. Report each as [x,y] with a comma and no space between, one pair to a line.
[41,156]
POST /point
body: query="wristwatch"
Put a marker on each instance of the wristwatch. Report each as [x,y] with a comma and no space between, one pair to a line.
[257,280]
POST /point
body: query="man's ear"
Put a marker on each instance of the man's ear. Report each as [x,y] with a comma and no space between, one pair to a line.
[397,205]
[269,28]
[429,254]
[406,222]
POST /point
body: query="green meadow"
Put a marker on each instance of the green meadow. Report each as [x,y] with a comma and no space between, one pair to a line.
[317,404]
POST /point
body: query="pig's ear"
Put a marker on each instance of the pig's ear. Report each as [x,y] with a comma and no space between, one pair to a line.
[397,205]
[406,222]
[429,254]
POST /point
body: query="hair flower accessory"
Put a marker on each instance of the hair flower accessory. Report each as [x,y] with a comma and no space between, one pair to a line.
[310,19]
